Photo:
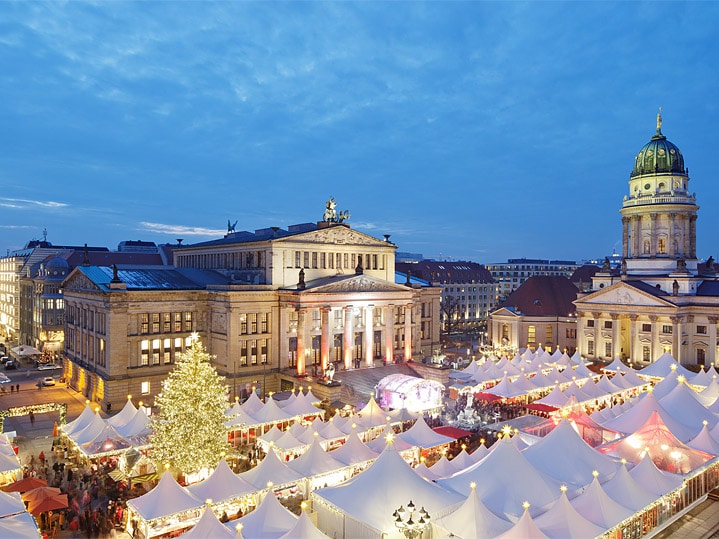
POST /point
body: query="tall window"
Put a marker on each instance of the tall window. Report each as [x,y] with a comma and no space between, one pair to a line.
[590,348]
[701,356]
[188,321]
[531,334]
[145,353]
[550,334]
[646,354]
[608,349]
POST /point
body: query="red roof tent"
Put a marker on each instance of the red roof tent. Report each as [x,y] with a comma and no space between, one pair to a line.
[539,407]
[452,432]
[487,397]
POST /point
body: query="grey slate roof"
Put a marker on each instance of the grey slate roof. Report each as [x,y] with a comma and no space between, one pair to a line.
[154,277]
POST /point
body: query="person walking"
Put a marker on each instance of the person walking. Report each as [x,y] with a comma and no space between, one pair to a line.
[17,388]
[32,418]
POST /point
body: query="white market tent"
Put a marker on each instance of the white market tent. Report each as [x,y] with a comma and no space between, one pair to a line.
[162,502]
[663,366]
[252,405]
[595,505]
[463,460]
[443,468]
[617,366]
[624,489]
[563,520]
[269,521]
[525,528]
[362,506]
[222,485]
[505,479]
[271,469]
[653,479]
[684,405]
[566,457]
[80,422]
[208,527]
[317,462]
[421,435]
[124,416]
[20,525]
[705,442]
[303,529]
[370,416]
[10,503]
[472,520]
[353,452]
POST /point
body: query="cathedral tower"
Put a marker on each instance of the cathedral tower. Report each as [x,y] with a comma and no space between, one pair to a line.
[659,214]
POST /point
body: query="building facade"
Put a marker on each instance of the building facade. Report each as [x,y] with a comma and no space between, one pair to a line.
[468,291]
[661,299]
[274,306]
[539,312]
[510,275]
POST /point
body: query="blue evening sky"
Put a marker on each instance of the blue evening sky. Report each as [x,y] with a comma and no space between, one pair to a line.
[476,131]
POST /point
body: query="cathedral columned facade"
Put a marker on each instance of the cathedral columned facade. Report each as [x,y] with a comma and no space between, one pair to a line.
[662,299]
[275,306]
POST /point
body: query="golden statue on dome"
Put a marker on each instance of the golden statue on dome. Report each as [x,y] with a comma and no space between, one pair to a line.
[659,121]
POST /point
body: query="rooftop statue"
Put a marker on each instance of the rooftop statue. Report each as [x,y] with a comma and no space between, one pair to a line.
[331,215]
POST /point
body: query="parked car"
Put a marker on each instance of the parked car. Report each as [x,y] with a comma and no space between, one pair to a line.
[10,364]
[48,366]
[48,381]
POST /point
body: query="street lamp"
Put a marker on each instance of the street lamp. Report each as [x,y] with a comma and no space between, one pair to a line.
[410,521]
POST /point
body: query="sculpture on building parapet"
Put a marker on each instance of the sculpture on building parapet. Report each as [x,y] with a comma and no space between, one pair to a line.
[681,264]
[606,266]
[331,215]
[231,226]
[675,288]
[301,284]
[710,263]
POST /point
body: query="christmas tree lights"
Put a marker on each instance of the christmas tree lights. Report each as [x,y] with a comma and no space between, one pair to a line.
[189,431]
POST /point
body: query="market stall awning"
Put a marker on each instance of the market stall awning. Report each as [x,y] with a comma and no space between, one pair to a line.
[452,432]
[487,397]
[539,407]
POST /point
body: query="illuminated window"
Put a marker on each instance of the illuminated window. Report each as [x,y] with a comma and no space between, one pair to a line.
[156,322]
[531,334]
[188,321]
[156,351]
[662,247]
[590,348]
[166,351]
[667,329]
[144,323]
[144,353]
[646,354]
[145,388]
[177,324]
[608,349]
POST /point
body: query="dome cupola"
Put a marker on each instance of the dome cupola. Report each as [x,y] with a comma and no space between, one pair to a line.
[659,156]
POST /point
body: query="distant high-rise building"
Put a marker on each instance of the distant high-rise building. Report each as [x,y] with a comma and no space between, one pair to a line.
[468,291]
[511,274]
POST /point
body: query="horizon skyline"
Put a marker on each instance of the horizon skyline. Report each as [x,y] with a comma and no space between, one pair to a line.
[467,131]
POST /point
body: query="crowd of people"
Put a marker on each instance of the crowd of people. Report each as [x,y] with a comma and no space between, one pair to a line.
[95,502]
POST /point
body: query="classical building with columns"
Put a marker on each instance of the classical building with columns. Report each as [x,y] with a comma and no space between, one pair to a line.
[662,298]
[275,306]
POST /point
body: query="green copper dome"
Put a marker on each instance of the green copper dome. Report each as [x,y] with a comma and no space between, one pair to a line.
[658,156]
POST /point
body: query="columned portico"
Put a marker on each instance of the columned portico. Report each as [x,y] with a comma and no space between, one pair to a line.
[302,340]
[349,335]
[326,337]
[368,335]
[408,332]
[389,334]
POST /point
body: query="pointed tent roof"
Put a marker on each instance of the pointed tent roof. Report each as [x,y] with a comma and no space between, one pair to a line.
[577,358]
[371,415]
[710,393]
[287,442]
[607,386]
[315,461]
[665,386]
[638,415]
[309,435]
[91,430]
[123,416]
[301,406]
[271,413]
[502,389]
[563,520]
[252,405]
[655,438]
[422,470]
[233,410]
[623,489]
[556,398]
[108,440]
[380,442]
[402,415]
[328,430]
[10,503]
[462,461]
[271,468]
[615,366]
[505,479]
[573,390]
[239,419]
[443,467]
[525,528]
[632,376]
[399,484]
[272,435]
[653,479]
[268,521]
[223,484]
[685,406]
[479,453]
[297,429]
[20,525]
[565,456]
[208,527]
[81,422]
[137,425]
[303,529]
[421,435]
[353,451]
[167,498]
[663,366]
[595,505]
[702,378]
[582,371]
[472,520]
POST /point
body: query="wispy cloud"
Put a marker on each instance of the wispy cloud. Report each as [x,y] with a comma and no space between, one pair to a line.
[18,227]
[23,204]
[162,228]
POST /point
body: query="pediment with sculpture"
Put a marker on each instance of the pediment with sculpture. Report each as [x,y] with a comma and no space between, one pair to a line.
[622,294]
[79,281]
[337,235]
[357,283]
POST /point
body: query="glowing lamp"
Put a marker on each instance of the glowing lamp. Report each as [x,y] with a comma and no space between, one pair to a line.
[563,488]
[525,504]
[129,397]
[473,485]
[595,473]
[208,501]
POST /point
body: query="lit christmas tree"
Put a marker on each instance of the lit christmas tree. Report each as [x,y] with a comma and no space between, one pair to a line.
[189,431]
